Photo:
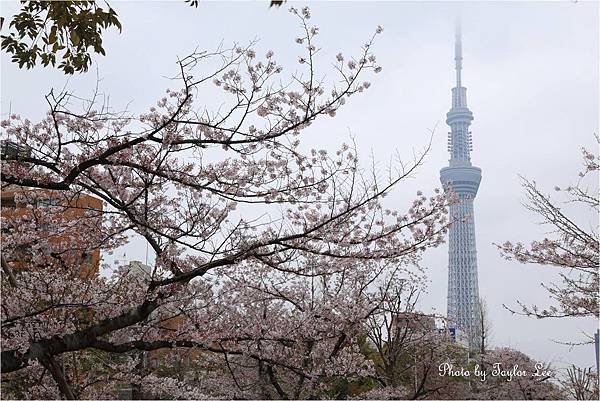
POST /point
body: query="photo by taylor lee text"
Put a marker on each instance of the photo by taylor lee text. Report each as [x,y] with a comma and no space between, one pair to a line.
[494,370]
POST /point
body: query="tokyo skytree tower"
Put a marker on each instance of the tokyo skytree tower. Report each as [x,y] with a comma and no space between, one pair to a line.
[463,179]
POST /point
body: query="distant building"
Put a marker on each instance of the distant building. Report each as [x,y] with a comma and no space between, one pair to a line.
[140,270]
[425,325]
[10,150]
[70,223]
[415,322]
[462,178]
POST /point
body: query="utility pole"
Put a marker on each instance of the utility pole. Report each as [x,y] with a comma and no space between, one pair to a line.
[597,344]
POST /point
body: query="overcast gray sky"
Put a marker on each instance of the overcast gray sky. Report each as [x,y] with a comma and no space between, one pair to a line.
[531,70]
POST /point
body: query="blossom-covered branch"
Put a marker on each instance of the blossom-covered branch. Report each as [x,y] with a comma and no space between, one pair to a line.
[574,247]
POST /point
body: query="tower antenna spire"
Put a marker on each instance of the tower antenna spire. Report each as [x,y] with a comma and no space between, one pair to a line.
[458,51]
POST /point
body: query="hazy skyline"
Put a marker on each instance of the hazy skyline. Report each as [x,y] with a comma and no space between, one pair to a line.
[531,70]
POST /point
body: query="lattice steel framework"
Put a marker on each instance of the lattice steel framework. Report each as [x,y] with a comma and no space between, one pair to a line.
[463,179]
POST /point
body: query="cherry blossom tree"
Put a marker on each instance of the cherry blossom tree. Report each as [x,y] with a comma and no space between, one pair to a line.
[512,376]
[581,383]
[504,382]
[269,257]
[408,346]
[573,248]
[410,352]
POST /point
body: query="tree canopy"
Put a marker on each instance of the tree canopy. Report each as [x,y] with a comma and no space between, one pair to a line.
[62,34]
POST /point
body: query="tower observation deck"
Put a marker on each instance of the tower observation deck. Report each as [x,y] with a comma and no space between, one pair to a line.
[462,178]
